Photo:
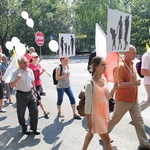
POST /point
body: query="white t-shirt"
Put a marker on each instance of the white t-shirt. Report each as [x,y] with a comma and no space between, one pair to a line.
[25,83]
[146,65]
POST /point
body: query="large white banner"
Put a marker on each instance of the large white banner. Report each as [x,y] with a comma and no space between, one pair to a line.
[118,31]
[66,45]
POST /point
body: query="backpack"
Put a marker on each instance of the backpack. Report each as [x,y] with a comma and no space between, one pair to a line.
[138,68]
[55,82]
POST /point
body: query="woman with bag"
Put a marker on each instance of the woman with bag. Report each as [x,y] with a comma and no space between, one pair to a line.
[96,104]
[63,86]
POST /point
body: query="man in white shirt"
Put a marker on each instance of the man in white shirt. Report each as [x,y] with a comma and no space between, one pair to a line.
[23,80]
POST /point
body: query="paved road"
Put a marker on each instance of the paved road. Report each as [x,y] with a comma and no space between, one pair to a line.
[66,133]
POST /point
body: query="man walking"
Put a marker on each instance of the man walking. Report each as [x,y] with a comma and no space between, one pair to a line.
[23,80]
[127,97]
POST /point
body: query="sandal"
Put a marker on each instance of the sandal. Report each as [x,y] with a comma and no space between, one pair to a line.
[60,115]
[10,101]
[77,117]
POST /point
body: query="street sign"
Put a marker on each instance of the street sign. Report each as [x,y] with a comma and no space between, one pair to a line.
[51,37]
[39,38]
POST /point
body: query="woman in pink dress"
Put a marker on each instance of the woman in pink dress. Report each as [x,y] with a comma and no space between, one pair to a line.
[96,104]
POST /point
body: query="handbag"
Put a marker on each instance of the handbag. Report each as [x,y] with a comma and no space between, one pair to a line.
[81,105]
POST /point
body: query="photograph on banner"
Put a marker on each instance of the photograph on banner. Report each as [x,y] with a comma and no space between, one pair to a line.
[66,44]
[118,31]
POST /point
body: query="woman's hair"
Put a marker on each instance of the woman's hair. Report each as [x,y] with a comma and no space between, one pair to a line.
[95,62]
[31,60]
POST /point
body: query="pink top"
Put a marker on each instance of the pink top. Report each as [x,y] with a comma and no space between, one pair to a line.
[36,71]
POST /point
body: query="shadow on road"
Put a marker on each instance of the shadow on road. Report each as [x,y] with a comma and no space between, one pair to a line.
[16,141]
[52,132]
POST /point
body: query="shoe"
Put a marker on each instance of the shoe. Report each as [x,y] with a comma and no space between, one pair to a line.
[111,140]
[43,93]
[146,147]
[36,132]
[46,113]
[2,110]
[27,132]
[77,117]
[60,115]
[10,102]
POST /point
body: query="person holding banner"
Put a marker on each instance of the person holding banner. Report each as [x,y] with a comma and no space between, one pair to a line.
[126,97]
[96,104]
[38,71]
[31,50]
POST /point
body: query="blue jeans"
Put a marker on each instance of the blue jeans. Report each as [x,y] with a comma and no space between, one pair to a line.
[38,92]
[60,95]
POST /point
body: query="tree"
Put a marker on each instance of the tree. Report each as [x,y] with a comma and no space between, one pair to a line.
[140,11]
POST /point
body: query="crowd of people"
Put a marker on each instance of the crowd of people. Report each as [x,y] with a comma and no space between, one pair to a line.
[26,80]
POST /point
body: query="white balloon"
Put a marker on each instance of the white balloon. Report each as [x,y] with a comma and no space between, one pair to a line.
[24,15]
[9,45]
[20,49]
[15,41]
[53,45]
[30,22]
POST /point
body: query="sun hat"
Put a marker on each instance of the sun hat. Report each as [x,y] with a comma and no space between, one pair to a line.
[34,54]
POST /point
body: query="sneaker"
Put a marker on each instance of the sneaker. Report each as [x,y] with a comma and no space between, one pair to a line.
[46,113]
[43,93]
[27,132]
[77,117]
[2,110]
[36,132]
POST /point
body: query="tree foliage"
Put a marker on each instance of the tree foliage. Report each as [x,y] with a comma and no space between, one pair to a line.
[140,11]
[56,16]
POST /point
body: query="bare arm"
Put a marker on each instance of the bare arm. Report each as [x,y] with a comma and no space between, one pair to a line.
[42,71]
[145,72]
[129,84]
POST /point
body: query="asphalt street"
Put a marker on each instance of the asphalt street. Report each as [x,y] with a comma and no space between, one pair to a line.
[65,133]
